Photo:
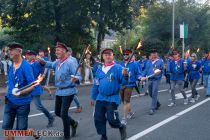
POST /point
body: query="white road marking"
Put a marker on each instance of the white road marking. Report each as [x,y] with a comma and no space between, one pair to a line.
[179,95]
[137,95]
[164,122]
[39,114]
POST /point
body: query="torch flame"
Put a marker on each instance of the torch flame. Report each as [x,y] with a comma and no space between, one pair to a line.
[39,80]
[198,50]
[87,49]
[139,45]
[188,51]
[121,50]
[157,71]
[48,50]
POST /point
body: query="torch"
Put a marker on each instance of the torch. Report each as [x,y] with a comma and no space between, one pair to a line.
[17,91]
[198,50]
[135,48]
[49,71]
[121,50]
[85,51]
[157,71]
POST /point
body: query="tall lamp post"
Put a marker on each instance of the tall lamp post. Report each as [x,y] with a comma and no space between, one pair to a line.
[173,24]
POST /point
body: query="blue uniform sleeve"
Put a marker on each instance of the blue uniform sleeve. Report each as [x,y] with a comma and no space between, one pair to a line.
[28,74]
[51,65]
[94,90]
[73,67]
[168,70]
[121,77]
[138,70]
[162,67]
[148,69]
[199,65]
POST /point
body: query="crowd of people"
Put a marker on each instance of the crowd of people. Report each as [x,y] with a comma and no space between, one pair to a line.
[113,83]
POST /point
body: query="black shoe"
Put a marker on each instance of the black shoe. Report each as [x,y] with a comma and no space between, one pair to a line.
[151,112]
[123,133]
[66,138]
[201,84]
[158,106]
[74,129]
[50,124]
[104,138]
[146,94]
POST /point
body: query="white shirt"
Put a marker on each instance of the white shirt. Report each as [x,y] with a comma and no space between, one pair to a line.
[105,69]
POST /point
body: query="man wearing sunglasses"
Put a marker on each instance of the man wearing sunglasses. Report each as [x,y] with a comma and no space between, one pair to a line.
[193,69]
[134,73]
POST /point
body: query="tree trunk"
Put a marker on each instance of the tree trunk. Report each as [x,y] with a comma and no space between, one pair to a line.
[57,21]
[100,37]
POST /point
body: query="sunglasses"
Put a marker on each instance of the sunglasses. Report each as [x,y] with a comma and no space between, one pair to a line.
[125,54]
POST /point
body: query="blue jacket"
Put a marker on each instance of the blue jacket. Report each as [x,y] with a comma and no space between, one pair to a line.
[37,70]
[63,72]
[106,87]
[96,65]
[22,77]
[134,72]
[176,69]
[158,64]
[148,68]
[144,63]
[206,66]
[193,70]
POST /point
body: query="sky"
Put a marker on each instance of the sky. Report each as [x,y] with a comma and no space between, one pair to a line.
[200,1]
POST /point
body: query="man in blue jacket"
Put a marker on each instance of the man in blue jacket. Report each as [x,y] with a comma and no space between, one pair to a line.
[38,69]
[206,73]
[105,92]
[153,82]
[134,74]
[144,64]
[17,104]
[193,69]
[176,69]
[65,82]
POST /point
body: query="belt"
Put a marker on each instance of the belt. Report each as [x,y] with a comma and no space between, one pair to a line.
[131,83]
[112,94]
[22,95]
[61,88]
[206,73]
[152,79]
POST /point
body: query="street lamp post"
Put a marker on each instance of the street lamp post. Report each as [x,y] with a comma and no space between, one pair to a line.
[173,23]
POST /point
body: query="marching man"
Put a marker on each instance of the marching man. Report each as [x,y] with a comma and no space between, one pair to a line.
[206,73]
[65,84]
[105,95]
[38,90]
[17,104]
[153,82]
[176,70]
[134,73]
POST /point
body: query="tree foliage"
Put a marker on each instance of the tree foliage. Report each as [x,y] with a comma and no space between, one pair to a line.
[154,26]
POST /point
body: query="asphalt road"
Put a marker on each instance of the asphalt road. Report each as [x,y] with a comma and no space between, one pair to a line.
[183,122]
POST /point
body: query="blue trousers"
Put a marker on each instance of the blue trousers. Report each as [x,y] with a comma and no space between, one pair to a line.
[153,86]
[11,111]
[106,111]
[40,107]
[206,81]
[76,100]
